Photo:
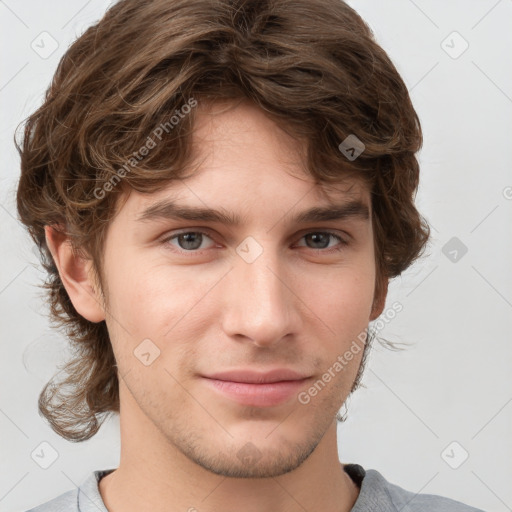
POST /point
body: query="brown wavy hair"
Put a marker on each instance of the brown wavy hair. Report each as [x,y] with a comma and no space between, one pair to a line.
[313,66]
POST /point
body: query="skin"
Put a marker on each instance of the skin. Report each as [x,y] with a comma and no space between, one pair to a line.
[298,305]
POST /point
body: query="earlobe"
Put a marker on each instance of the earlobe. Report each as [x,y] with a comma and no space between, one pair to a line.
[76,275]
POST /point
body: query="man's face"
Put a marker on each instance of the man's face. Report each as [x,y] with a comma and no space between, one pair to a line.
[270,292]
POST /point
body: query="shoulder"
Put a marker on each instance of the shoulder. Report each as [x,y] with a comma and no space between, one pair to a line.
[412,502]
[377,494]
[66,502]
[85,498]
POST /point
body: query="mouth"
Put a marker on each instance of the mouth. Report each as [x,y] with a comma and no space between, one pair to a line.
[256,394]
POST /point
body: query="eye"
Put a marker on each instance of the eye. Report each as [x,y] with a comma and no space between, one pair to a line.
[320,240]
[188,241]
[192,241]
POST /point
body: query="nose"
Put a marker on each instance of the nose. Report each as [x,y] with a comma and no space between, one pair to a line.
[260,304]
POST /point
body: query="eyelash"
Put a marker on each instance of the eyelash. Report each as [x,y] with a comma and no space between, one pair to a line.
[343,243]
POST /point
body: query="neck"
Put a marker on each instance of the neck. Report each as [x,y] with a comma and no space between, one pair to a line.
[154,475]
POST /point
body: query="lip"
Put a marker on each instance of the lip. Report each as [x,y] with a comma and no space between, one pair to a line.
[257,389]
[255,377]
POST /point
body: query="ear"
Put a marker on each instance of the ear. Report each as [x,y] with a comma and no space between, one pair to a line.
[77,276]
[379,300]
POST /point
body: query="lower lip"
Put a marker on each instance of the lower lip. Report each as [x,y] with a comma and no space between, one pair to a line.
[257,395]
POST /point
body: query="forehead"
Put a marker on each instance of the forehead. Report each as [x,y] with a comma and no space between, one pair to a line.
[240,136]
[243,160]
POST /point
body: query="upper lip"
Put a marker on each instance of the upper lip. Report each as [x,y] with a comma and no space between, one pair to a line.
[251,376]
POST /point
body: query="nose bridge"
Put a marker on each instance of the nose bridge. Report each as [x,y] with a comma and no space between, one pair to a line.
[261,303]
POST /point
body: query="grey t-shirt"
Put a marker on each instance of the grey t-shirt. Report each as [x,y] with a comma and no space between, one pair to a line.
[376,495]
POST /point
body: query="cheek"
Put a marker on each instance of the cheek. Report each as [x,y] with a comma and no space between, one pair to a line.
[153,317]
[159,303]
[343,310]
[343,299]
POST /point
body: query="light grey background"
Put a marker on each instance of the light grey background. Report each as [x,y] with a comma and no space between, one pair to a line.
[452,383]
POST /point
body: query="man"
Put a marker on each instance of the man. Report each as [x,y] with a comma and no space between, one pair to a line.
[221,191]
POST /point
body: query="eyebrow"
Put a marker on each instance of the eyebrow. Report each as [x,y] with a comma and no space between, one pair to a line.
[170,210]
